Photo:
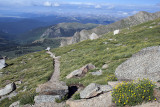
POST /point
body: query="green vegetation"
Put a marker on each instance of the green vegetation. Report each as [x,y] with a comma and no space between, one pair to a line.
[61,100]
[110,49]
[27,98]
[76,96]
[32,69]
[36,68]
[131,93]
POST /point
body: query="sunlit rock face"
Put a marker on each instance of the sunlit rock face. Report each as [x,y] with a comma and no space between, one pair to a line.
[2,63]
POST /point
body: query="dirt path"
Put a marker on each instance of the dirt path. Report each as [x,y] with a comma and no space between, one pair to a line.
[53,86]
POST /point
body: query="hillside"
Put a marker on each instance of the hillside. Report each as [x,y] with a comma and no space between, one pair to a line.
[136,19]
[36,68]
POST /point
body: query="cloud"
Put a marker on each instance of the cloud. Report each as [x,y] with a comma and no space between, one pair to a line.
[47,4]
[56,4]
[97,6]
[111,7]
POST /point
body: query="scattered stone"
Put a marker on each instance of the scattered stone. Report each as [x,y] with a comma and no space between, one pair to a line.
[76,73]
[81,72]
[48,49]
[103,100]
[144,64]
[105,88]
[15,104]
[98,73]
[90,91]
[118,44]
[150,27]
[105,66]
[7,89]
[46,98]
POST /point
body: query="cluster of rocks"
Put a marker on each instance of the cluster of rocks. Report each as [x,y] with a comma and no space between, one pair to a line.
[83,70]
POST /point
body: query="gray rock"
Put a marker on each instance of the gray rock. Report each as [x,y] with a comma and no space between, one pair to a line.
[13,94]
[75,73]
[90,91]
[2,63]
[46,98]
[15,104]
[18,82]
[98,73]
[7,89]
[81,72]
[105,88]
[144,64]
[114,83]
[105,66]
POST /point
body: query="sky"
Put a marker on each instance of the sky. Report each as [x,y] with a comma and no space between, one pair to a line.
[72,7]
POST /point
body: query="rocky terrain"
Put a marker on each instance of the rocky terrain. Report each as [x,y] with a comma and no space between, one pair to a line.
[91,70]
[136,19]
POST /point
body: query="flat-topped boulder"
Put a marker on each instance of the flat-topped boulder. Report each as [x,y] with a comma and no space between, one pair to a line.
[144,64]
[46,98]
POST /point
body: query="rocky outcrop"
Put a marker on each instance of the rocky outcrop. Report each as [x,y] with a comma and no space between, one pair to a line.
[7,89]
[103,100]
[144,64]
[15,104]
[66,29]
[93,90]
[81,72]
[136,19]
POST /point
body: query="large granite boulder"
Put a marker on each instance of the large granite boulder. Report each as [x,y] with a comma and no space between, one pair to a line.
[81,72]
[93,90]
[144,64]
[46,98]
[7,89]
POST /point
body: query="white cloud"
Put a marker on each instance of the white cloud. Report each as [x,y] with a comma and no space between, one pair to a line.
[56,4]
[110,7]
[47,4]
[125,13]
[97,6]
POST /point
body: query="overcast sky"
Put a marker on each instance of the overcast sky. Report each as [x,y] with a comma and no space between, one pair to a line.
[124,7]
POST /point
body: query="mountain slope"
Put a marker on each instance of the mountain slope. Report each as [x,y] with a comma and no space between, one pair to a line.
[138,18]
[36,68]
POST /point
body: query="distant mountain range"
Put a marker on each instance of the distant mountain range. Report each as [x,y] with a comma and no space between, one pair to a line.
[21,25]
[136,19]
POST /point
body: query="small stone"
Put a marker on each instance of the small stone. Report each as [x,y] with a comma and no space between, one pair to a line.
[105,66]
[15,104]
[75,73]
[18,82]
[98,73]
[46,98]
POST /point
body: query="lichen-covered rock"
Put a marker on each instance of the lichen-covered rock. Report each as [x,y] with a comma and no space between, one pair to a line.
[144,64]
[46,98]
[7,89]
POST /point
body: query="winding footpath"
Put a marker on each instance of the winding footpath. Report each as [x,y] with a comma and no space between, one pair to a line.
[54,86]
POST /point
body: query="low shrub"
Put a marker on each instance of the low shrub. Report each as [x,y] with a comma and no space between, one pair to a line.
[62,99]
[131,93]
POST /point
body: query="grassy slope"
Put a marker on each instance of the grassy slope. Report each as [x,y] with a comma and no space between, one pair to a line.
[31,69]
[38,67]
[98,53]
